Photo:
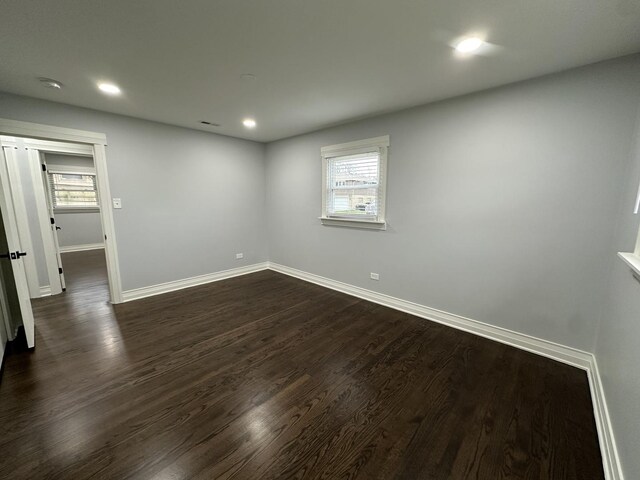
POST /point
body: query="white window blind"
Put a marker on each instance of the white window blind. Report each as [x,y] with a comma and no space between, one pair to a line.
[73,190]
[353,190]
[353,182]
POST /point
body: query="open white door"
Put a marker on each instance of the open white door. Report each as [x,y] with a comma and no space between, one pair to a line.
[22,216]
[12,255]
[47,233]
[52,219]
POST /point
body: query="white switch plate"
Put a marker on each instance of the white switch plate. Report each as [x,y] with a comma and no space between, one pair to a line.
[239,256]
[375,276]
[117,203]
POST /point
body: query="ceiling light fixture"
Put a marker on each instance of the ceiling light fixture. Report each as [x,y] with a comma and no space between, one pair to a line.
[469,44]
[109,88]
[50,83]
[249,123]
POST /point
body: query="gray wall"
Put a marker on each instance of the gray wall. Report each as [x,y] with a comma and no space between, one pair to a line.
[501,205]
[77,227]
[72,162]
[191,199]
[617,347]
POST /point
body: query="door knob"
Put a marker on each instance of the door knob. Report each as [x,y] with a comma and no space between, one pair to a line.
[13,255]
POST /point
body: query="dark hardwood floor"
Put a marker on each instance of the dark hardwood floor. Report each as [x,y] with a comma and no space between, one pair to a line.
[268,377]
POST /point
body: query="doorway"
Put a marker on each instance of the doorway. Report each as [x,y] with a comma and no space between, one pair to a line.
[54,189]
[56,207]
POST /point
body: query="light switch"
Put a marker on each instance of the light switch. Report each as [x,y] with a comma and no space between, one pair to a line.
[117,203]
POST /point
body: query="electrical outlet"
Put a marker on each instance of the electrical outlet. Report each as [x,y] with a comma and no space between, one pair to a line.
[239,256]
[375,276]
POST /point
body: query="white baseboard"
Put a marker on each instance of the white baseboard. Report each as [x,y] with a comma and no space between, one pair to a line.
[545,348]
[138,293]
[610,459]
[81,248]
[562,353]
[45,291]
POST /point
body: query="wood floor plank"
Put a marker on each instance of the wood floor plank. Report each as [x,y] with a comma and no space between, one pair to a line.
[268,377]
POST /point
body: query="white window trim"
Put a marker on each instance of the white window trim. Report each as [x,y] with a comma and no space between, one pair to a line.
[352,148]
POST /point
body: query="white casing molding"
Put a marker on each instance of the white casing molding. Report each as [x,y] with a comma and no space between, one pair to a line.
[561,353]
[138,293]
[49,132]
[81,248]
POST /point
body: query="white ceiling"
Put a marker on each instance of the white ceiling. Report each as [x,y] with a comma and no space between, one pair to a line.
[317,63]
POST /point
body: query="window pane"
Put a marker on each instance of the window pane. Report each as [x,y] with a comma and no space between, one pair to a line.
[355,201]
[73,190]
[79,198]
[353,185]
[70,181]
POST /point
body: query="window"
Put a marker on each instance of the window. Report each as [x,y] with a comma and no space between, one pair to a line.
[633,259]
[353,183]
[73,190]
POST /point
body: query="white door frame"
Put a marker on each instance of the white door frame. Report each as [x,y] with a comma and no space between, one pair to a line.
[97,142]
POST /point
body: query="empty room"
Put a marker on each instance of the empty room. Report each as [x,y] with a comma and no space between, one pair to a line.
[381,239]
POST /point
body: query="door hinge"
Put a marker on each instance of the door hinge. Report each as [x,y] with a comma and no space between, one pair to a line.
[53,220]
[44,167]
[60,270]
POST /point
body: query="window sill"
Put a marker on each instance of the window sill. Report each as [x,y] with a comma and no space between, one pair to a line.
[633,261]
[353,223]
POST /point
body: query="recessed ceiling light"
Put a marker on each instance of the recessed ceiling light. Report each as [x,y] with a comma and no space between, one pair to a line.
[50,83]
[469,44]
[249,122]
[109,88]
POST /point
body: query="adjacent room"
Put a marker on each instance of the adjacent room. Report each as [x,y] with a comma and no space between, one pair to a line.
[328,240]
